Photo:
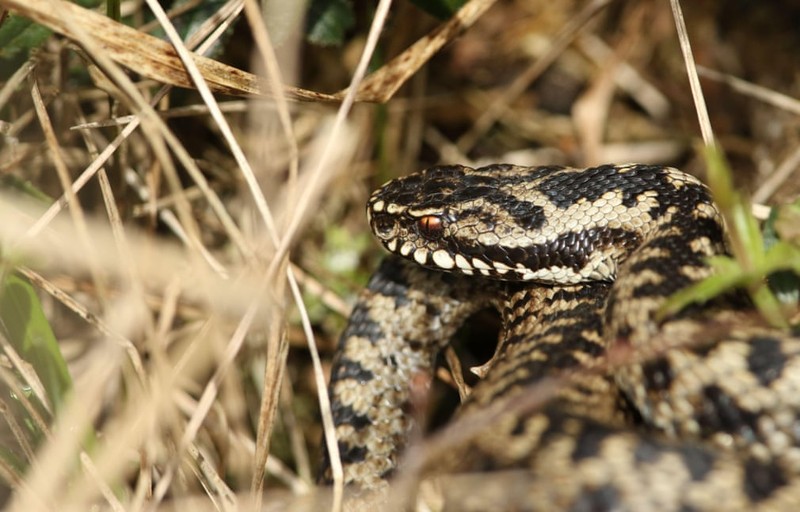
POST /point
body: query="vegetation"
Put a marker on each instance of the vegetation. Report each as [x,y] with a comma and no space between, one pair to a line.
[181,237]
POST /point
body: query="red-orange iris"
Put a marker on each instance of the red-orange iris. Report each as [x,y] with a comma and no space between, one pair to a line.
[430,226]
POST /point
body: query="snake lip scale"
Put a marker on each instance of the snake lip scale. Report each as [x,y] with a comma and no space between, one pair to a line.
[578,262]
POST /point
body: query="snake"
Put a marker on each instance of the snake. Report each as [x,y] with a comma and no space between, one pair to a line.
[595,398]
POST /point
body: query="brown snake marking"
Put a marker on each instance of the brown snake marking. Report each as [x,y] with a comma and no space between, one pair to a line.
[578,261]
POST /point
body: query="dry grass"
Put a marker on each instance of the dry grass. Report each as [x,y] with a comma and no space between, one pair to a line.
[197,251]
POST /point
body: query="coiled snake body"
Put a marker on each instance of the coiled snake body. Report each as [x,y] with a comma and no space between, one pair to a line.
[699,410]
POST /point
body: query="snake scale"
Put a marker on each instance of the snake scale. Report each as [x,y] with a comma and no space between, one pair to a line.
[592,401]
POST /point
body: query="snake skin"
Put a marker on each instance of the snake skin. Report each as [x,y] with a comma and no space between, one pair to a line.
[697,411]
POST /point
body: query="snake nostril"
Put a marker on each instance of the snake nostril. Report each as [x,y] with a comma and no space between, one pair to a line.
[383,225]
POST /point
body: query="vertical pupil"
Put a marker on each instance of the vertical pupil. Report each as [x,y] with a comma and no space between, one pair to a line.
[431,226]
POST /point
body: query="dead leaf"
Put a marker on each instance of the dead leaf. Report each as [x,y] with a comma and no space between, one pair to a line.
[156,59]
[149,56]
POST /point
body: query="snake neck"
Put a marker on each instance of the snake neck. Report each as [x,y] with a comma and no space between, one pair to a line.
[674,257]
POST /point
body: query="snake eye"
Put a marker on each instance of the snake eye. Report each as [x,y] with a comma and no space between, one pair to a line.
[430,226]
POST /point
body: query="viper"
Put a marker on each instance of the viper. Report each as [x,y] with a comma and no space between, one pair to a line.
[595,398]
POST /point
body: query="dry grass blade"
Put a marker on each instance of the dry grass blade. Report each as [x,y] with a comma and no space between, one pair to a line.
[46,480]
[204,384]
[591,110]
[158,60]
[382,84]
[82,311]
[219,492]
[778,177]
[14,81]
[565,36]
[328,156]
[105,489]
[207,398]
[76,211]
[145,54]
[157,134]
[30,379]
[17,430]
[84,178]
[297,443]
[691,71]
[465,428]
[278,349]
[54,248]
[758,92]
[457,374]
[776,99]
[627,78]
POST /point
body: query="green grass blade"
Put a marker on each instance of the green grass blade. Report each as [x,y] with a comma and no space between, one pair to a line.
[747,243]
[18,33]
[25,326]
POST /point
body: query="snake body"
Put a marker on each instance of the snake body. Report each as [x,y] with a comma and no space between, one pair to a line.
[698,410]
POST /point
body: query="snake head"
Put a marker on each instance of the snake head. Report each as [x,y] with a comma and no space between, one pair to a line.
[411,216]
[469,221]
[549,224]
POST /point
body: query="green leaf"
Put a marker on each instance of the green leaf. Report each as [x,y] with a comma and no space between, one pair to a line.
[442,9]
[188,22]
[25,326]
[727,275]
[787,222]
[785,284]
[23,186]
[113,10]
[12,463]
[328,21]
[19,33]
[747,243]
